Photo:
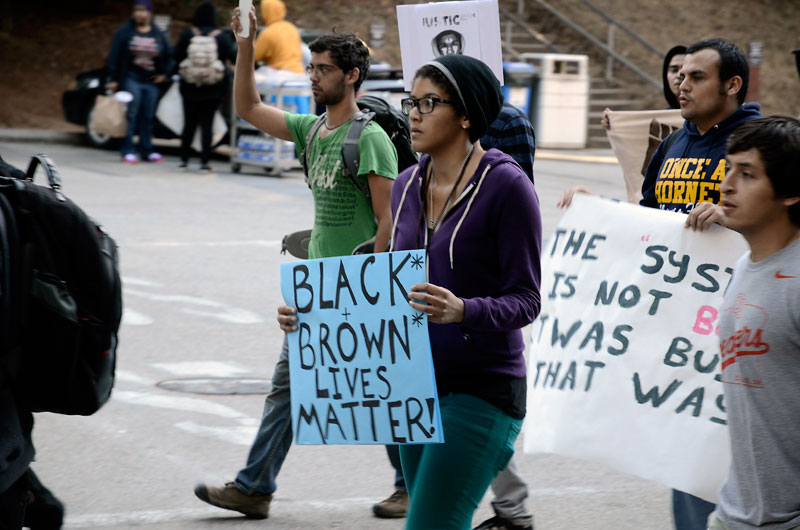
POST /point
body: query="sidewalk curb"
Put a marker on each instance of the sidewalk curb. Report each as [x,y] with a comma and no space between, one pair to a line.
[78,138]
[41,136]
[551,155]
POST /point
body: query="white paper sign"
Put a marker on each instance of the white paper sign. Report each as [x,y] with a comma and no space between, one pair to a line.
[624,358]
[428,31]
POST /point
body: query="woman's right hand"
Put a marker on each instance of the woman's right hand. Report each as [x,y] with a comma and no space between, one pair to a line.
[287,318]
[236,25]
[112,86]
[566,197]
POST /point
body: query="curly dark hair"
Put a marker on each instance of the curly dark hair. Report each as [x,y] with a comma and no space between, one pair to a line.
[347,51]
[435,76]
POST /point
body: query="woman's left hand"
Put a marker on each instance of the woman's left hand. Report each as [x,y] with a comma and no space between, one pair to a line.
[441,306]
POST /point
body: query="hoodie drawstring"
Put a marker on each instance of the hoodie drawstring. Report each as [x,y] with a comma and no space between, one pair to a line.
[466,211]
[400,207]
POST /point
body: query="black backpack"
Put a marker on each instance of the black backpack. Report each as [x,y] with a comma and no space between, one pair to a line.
[60,294]
[391,120]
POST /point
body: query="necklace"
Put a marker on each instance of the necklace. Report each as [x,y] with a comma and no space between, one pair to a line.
[434,222]
[325,124]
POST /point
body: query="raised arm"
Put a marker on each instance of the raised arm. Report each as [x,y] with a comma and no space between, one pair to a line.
[269,119]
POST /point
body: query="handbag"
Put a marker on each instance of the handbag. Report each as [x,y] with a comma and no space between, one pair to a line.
[109,117]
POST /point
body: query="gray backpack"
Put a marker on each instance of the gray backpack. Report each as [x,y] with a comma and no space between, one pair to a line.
[202,65]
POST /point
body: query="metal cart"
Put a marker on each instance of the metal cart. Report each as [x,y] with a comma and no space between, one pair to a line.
[251,147]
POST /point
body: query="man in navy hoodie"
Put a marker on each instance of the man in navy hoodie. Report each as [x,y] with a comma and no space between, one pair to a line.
[714,83]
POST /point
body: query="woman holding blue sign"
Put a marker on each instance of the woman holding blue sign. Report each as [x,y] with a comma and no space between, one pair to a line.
[476,214]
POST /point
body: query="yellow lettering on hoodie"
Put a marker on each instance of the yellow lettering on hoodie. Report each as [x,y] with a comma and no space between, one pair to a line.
[698,171]
[719,173]
[687,168]
[680,186]
[666,168]
[691,192]
[677,168]
[666,191]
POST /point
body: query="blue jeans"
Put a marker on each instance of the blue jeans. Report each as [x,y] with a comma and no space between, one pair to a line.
[394,457]
[274,436]
[690,512]
[447,481]
[141,113]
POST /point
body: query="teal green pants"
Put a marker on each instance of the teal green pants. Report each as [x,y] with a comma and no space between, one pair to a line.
[447,481]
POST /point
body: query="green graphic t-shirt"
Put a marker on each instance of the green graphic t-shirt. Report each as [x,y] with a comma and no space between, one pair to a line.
[343,218]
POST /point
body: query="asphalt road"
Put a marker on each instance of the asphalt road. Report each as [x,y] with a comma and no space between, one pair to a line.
[200,263]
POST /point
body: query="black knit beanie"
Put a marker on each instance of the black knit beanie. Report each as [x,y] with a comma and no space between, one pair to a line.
[476,87]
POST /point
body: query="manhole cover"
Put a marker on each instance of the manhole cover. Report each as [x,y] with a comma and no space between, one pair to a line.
[218,385]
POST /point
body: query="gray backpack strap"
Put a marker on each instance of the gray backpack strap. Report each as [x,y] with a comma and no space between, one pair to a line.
[350,153]
[310,136]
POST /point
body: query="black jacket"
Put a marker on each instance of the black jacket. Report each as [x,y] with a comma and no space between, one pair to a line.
[119,57]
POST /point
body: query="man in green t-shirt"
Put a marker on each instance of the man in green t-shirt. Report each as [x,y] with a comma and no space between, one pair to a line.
[343,218]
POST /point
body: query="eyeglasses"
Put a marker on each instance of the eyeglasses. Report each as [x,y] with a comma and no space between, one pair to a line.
[321,70]
[424,105]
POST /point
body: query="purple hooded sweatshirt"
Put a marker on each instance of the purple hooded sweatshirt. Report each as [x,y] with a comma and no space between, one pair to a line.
[486,251]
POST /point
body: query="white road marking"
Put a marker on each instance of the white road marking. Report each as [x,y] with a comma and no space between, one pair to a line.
[134,318]
[130,377]
[241,243]
[203,368]
[239,435]
[128,280]
[225,313]
[163,401]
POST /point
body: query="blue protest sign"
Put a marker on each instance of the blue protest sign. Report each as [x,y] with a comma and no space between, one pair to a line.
[360,362]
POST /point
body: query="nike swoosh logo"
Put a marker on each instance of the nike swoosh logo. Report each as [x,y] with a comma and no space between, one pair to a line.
[779,275]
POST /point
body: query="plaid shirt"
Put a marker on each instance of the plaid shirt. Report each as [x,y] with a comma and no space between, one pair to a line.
[512,133]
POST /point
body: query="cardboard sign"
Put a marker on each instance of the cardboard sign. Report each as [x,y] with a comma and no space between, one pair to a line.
[360,363]
[624,358]
[634,136]
[428,31]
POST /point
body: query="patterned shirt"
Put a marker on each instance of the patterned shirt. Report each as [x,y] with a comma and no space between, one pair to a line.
[512,133]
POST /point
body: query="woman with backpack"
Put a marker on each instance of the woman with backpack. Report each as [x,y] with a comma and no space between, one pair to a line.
[200,57]
[476,214]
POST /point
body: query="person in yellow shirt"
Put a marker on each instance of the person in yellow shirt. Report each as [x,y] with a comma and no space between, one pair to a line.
[278,45]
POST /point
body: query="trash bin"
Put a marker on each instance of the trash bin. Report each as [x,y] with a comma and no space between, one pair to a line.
[560,108]
[519,82]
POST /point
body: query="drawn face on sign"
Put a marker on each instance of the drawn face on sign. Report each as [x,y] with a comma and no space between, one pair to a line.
[448,42]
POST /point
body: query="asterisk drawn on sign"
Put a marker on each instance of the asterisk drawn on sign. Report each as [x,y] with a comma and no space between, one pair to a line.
[417,319]
[416,261]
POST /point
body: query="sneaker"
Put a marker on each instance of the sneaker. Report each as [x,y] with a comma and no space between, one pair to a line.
[183,166]
[392,507]
[130,158]
[500,523]
[155,158]
[231,498]
[205,168]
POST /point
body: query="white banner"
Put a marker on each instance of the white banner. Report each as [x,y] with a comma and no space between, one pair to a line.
[634,137]
[428,31]
[624,359]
